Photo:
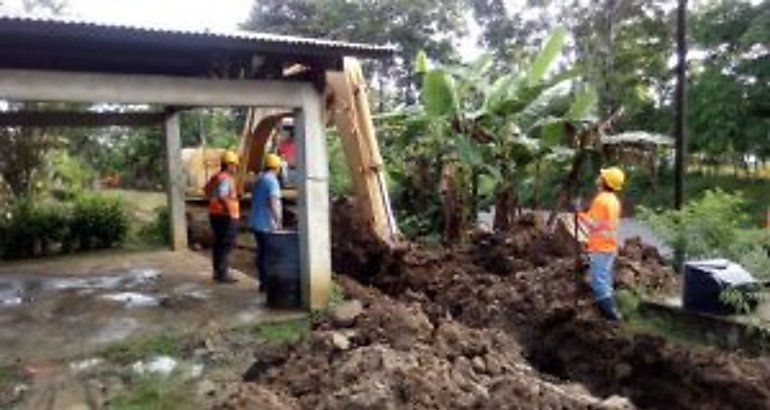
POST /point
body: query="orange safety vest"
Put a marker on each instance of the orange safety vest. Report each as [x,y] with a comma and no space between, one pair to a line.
[601,222]
[232,206]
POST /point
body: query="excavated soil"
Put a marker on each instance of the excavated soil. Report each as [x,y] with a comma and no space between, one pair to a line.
[505,322]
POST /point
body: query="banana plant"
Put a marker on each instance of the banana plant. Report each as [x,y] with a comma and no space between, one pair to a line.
[481,126]
[500,123]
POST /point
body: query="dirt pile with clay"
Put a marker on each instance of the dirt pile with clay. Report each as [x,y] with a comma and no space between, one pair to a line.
[503,322]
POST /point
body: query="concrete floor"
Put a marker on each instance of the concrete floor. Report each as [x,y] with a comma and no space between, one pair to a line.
[76,305]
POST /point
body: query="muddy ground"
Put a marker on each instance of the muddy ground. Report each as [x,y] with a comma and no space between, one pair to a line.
[504,322]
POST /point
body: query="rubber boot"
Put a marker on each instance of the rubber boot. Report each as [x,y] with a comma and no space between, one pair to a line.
[608,309]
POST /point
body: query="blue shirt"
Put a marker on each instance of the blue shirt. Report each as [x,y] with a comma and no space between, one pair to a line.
[264,189]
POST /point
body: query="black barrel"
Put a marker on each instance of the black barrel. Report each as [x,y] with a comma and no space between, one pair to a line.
[704,282]
[283,269]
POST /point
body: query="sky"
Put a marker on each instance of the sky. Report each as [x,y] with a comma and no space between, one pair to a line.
[179,14]
[184,14]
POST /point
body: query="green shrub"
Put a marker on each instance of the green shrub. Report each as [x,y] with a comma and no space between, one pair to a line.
[67,176]
[31,228]
[98,221]
[158,232]
[715,225]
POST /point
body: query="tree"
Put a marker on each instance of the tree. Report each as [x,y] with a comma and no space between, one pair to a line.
[730,100]
[413,25]
[25,148]
[24,151]
[624,47]
[506,32]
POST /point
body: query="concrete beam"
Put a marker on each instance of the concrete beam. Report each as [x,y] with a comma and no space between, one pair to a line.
[175,183]
[79,119]
[31,85]
[315,238]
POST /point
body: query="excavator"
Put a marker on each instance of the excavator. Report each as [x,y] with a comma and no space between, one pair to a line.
[346,108]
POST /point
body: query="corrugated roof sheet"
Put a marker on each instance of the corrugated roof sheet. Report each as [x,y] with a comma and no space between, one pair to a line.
[64,44]
[339,47]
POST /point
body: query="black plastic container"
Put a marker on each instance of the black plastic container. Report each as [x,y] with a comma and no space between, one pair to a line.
[283,270]
[704,282]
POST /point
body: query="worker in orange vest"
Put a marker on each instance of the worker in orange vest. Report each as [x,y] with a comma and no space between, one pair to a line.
[601,222]
[224,212]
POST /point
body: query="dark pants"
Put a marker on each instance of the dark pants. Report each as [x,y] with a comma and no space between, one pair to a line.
[261,238]
[225,229]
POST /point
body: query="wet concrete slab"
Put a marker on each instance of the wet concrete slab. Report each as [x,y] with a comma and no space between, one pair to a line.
[73,306]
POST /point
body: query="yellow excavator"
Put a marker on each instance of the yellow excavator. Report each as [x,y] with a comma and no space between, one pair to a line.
[347,108]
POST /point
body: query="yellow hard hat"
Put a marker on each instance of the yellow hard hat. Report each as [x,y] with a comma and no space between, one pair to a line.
[613,177]
[272,161]
[229,157]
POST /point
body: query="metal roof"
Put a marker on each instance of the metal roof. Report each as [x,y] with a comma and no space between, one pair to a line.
[69,44]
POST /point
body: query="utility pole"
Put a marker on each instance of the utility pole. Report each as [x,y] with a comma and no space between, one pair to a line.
[681,103]
[681,118]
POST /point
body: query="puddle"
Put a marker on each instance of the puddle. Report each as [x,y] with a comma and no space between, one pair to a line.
[131,279]
[162,365]
[12,293]
[10,301]
[18,291]
[131,300]
[192,290]
[85,365]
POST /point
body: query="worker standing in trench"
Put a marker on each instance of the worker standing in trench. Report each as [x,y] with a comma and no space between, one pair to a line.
[601,222]
[266,212]
[224,213]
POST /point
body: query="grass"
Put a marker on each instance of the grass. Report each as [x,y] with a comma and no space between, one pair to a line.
[129,351]
[336,295]
[628,304]
[683,332]
[755,191]
[276,333]
[10,375]
[154,392]
[141,205]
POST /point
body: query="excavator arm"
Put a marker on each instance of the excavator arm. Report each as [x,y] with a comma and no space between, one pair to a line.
[347,107]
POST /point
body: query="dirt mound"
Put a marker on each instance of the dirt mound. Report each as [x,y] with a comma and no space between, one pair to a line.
[526,284]
[641,266]
[395,357]
[503,322]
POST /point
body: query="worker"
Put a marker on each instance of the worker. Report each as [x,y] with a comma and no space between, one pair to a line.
[601,222]
[287,149]
[266,212]
[224,212]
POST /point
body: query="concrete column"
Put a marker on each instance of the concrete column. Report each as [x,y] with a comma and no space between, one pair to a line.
[175,183]
[315,239]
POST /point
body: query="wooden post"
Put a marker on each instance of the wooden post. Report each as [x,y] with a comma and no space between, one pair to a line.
[175,183]
[315,238]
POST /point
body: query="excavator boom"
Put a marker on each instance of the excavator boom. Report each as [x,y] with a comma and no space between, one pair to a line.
[348,108]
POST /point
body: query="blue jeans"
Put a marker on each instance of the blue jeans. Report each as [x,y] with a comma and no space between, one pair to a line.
[600,272]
